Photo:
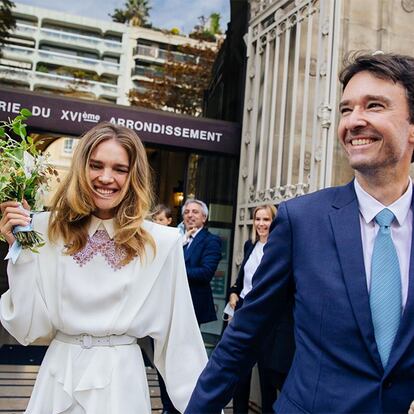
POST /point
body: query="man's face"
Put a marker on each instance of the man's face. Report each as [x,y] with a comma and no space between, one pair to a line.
[374,127]
[193,216]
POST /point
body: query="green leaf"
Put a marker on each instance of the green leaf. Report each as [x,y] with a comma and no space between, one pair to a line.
[22,131]
[16,128]
[2,132]
[25,112]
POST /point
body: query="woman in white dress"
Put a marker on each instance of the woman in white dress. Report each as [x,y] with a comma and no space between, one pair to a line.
[104,277]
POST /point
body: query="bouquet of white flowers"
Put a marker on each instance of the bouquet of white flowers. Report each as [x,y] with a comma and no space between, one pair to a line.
[24,173]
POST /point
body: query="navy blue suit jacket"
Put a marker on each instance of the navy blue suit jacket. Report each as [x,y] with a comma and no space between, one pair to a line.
[316,243]
[278,345]
[201,261]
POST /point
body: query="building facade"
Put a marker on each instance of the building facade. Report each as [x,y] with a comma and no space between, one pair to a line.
[55,52]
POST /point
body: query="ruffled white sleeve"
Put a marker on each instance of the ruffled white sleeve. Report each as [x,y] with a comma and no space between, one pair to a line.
[179,355]
[23,311]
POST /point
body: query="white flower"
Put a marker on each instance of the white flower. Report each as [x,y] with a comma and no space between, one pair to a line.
[28,164]
[40,197]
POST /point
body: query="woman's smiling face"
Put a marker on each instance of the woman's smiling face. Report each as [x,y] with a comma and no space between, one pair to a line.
[108,172]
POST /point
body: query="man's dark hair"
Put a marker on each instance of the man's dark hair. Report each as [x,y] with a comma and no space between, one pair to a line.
[389,66]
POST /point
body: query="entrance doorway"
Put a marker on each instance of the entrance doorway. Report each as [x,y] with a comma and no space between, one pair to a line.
[168,169]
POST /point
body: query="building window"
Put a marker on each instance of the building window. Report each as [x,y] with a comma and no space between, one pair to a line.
[68,145]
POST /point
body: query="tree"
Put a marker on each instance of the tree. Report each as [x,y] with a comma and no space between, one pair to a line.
[215,23]
[180,85]
[135,12]
[204,32]
[7,21]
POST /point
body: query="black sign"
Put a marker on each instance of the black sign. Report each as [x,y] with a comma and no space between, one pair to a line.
[60,115]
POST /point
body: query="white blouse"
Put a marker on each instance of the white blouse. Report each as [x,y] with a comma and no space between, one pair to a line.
[251,266]
[88,293]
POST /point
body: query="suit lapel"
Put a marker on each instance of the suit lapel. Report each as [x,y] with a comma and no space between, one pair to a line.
[405,332]
[247,254]
[347,232]
[202,234]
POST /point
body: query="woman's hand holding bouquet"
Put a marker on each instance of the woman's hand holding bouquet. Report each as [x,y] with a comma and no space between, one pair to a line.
[24,177]
[13,215]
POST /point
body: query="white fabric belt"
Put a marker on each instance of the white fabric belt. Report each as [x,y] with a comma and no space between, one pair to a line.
[89,341]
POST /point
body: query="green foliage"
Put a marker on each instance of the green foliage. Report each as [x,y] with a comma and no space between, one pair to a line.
[208,28]
[135,12]
[42,68]
[7,21]
[205,36]
[175,31]
[181,84]
[24,171]
[215,23]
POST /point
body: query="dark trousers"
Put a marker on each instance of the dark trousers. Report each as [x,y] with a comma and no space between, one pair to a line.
[270,383]
[167,404]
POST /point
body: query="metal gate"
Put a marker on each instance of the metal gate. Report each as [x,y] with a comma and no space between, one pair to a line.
[290,105]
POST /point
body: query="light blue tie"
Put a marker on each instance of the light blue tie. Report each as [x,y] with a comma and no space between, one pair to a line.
[385,294]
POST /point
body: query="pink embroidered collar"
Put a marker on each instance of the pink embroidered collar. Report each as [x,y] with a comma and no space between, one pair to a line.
[100,241]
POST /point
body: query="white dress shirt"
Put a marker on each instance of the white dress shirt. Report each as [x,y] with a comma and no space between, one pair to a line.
[189,240]
[401,231]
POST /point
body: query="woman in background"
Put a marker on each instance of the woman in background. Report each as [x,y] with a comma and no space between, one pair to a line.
[276,350]
[104,278]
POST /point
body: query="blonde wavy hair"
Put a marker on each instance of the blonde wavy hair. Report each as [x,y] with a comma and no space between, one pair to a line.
[72,205]
[271,209]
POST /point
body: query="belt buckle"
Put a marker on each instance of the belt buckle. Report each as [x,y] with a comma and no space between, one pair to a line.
[86,341]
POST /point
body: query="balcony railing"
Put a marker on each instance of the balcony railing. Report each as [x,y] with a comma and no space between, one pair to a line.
[147,72]
[146,51]
[74,38]
[10,73]
[78,61]
[161,54]
[18,51]
[25,29]
[58,81]
[66,81]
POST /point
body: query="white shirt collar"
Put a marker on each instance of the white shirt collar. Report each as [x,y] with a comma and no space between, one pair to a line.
[370,207]
[97,223]
[198,231]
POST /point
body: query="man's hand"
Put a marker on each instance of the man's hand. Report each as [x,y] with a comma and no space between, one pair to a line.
[13,215]
[190,232]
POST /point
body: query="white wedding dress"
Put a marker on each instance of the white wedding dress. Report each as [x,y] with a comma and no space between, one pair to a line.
[90,294]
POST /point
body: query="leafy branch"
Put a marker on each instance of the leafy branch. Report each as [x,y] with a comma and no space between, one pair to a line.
[24,172]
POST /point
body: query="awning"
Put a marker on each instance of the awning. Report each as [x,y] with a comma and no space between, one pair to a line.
[61,115]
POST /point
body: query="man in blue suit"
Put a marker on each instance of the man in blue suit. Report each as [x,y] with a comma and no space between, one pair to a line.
[353,270]
[202,253]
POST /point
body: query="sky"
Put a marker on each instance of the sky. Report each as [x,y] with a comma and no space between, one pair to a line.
[164,14]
